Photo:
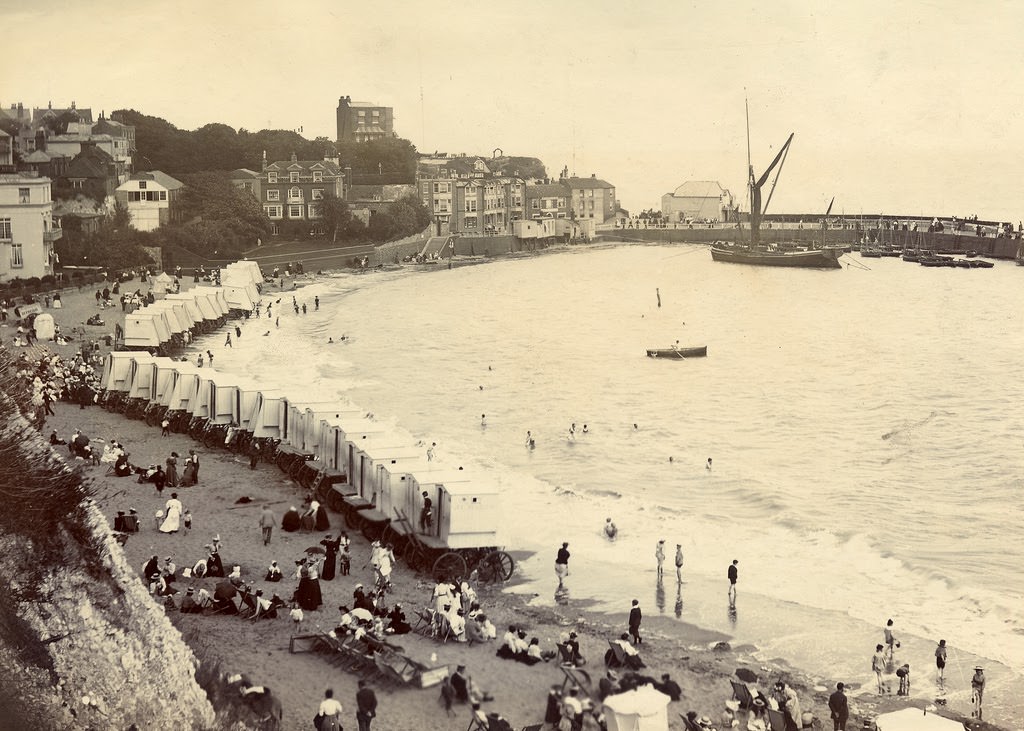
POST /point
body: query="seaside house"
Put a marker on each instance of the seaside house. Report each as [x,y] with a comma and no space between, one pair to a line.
[547,200]
[699,200]
[363,121]
[151,199]
[92,172]
[291,190]
[590,198]
[464,196]
[27,226]
[246,180]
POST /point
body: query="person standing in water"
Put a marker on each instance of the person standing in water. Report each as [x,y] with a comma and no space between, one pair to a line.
[659,556]
[610,530]
[977,691]
[734,575]
[679,563]
[940,665]
[657,293]
[562,563]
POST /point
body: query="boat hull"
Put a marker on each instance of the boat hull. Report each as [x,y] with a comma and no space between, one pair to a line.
[677,353]
[811,259]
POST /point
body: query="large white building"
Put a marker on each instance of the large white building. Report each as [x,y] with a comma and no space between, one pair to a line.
[151,199]
[699,201]
[27,229]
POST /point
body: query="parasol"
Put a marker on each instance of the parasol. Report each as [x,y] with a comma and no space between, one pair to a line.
[81,440]
[225,590]
[362,614]
[315,549]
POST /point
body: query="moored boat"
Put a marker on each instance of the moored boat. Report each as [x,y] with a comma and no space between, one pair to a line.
[678,353]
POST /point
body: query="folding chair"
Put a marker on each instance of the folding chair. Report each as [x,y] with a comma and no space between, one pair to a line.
[776,720]
[247,608]
[443,628]
[741,693]
[689,725]
[424,622]
[578,678]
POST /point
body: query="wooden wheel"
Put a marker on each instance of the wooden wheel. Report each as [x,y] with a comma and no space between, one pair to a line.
[495,566]
[372,531]
[448,566]
[415,555]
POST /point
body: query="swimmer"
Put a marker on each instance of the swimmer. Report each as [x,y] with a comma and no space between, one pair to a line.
[481,388]
[635,427]
[266,333]
[610,530]
[708,465]
[585,430]
[330,341]
[483,420]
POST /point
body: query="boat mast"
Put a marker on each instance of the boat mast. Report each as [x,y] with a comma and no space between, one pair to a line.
[750,173]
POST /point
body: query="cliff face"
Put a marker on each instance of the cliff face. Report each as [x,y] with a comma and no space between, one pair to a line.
[82,644]
[115,657]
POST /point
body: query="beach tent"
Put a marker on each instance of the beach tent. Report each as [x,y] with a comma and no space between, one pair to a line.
[186,388]
[173,324]
[437,482]
[117,370]
[390,482]
[166,376]
[146,329]
[140,376]
[265,421]
[198,307]
[643,709]
[248,392]
[162,281]
[333,450]
[250,270]
[238,296]
[378,449]
[216,297]
[43,325]
[177,315]
[224,402]
[915,719]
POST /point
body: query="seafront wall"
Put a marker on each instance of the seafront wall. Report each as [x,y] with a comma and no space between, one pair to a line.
[952,243]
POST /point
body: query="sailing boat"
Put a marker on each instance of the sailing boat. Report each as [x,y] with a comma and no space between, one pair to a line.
[754,252]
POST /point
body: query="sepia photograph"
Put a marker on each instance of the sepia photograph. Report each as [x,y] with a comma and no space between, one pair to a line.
[576,366]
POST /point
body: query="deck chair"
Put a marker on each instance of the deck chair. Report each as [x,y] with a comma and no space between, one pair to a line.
[424,622]
[223,606]
[475,724]
[247,608]
[443,629]
[689,725]
[576,677]
[741,693]
[534,727]
[496,723]
[777,720]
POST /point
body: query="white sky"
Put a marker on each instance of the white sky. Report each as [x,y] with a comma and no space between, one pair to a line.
[897,107]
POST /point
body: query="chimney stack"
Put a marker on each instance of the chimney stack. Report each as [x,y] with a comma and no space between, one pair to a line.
[264,164]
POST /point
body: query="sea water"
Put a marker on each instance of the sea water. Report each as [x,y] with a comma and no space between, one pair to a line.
[865,427]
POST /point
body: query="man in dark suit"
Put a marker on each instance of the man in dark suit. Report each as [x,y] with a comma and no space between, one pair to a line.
[634,622]
[366,701]
[840,710]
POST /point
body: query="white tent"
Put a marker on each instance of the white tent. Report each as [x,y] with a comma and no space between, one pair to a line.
[915,719]
[43,325]
[643,709]
[162,282]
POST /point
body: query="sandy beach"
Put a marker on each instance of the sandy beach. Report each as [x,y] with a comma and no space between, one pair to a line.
[261,649]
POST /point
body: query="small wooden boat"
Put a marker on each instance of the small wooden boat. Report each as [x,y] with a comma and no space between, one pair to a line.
[678,353]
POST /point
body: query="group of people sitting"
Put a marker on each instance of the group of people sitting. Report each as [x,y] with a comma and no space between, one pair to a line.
[455,613]
[514,646]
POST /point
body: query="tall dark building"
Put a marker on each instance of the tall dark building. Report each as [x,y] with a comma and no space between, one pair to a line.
[363,121]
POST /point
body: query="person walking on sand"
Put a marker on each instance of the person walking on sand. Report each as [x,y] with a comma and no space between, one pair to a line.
[679,563]
[366,704]
[878,667]
[734,575]
[635,617]
[194,459]
[227,343]
[659,556]
[839,707]
[329,713]
[562,563]
[940,665]
[267,523]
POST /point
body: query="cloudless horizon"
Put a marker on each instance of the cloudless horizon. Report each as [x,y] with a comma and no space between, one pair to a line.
[903,109]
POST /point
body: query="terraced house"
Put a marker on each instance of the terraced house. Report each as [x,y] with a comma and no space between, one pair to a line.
[27,227]
[291,190]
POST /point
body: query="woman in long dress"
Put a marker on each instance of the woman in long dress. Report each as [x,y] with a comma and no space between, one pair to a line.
[172,515]
[172,470]
[331,559]
[320,512]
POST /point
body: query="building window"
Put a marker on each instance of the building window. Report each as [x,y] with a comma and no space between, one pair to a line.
[17,259]
[247,186]
[133,196]
[294,211]
[272,211]
[535,204]
[163,195]
[318,194]
[273,229]
[142,185]
[441,188]
[471,205]
[271,177]
[294,194]
[24,195]
[313,211]
[78,183]
[5,229]
[273,195]
[318,176]
[469,222]
[293,177]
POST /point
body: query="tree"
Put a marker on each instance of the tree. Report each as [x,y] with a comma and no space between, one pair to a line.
[338,219]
